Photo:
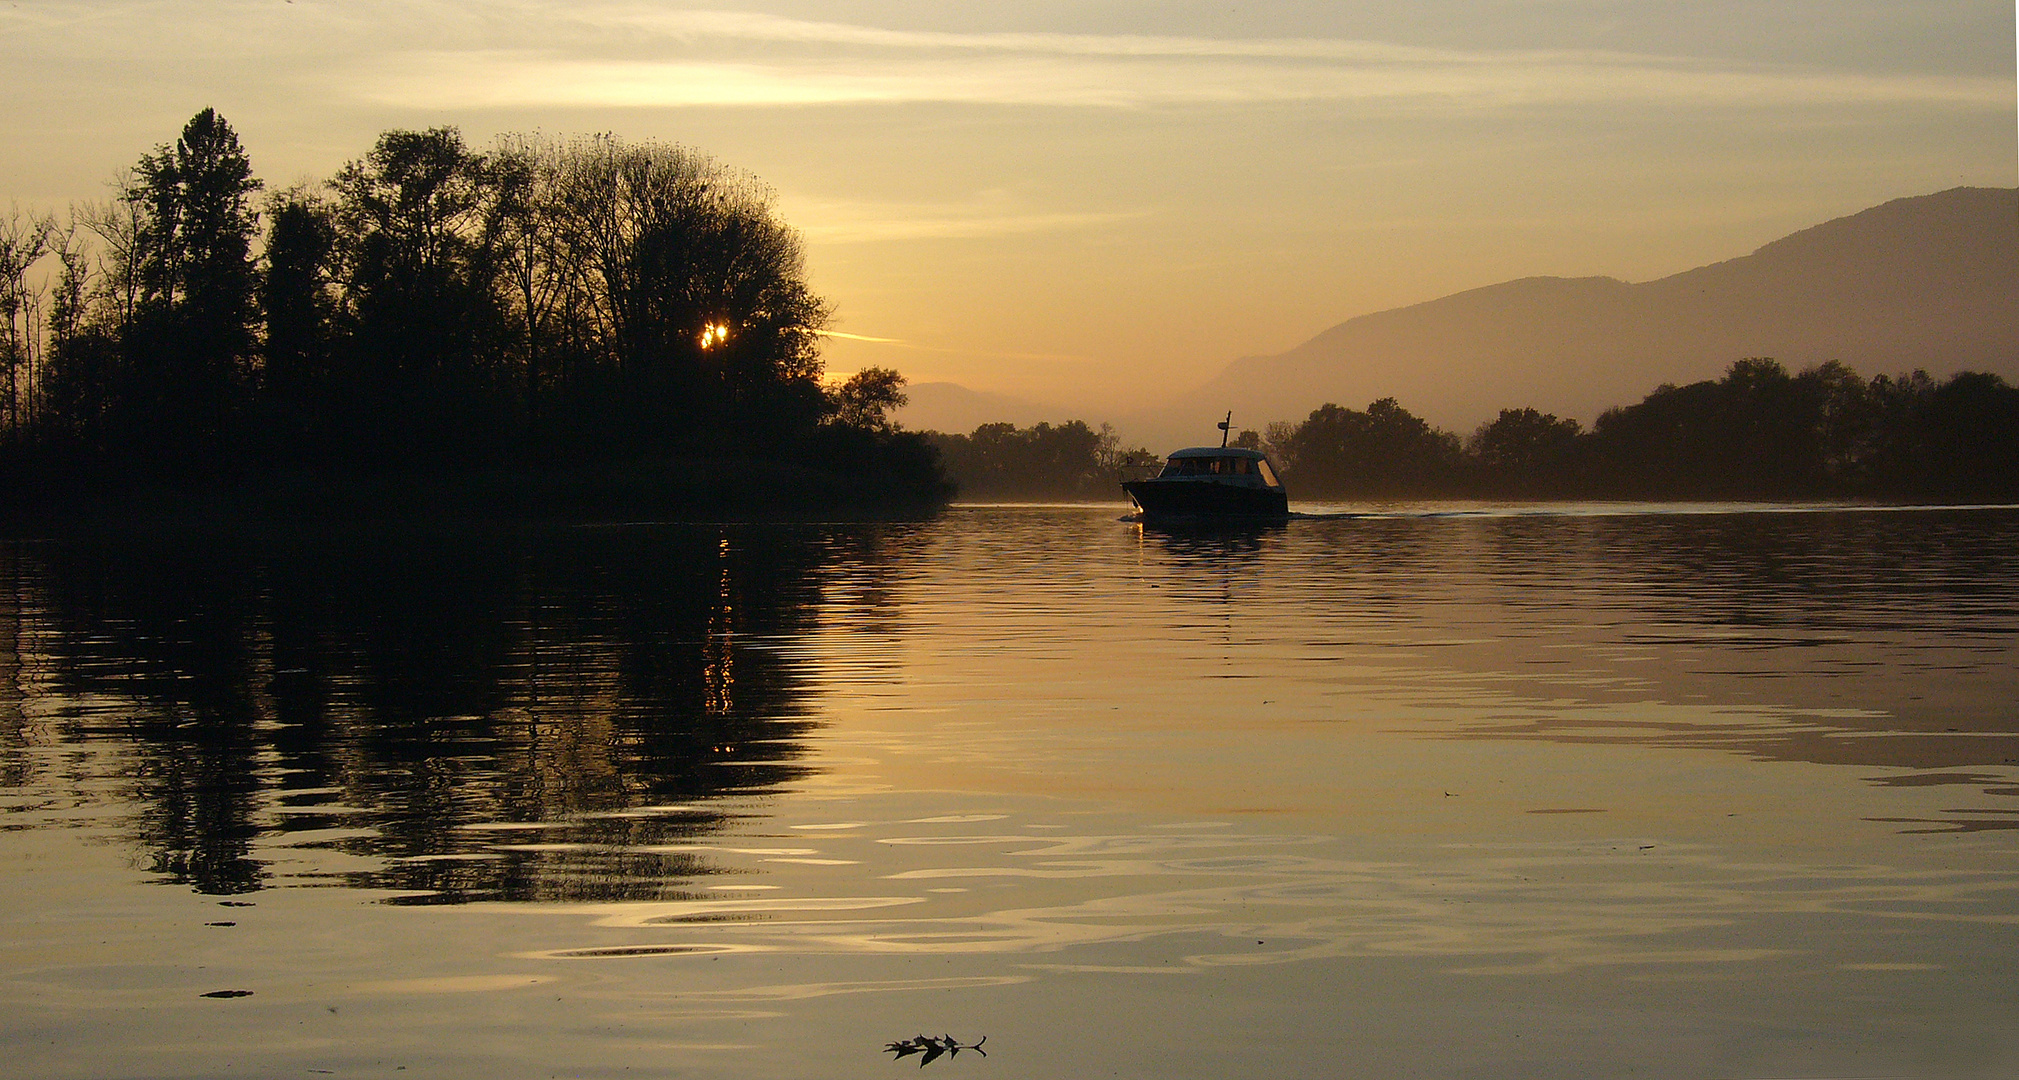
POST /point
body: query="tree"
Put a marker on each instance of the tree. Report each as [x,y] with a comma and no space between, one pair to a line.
[421,358]
[691,294]
[1112,457]
[1385,452]
[1756,433]
[82,366]
[1838,406]
[116,226]
[546,303]
[1278,441]
[541,281]
[23,243]
[1952,440]
[416,277]
[867,397]
[1066,461]
[298,299]
[1524,451]
[189,347]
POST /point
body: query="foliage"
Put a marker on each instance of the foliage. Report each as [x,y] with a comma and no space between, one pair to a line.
[1069,461]
[23,243]
[1523,452]
[555,305]
[1757,433]
[1385,452]
[650,273]
[1762,433]
[187,347]
[868,397]
[433,306]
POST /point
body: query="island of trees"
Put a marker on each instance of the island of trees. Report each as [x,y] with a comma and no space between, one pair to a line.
[593,327]
[586,326]
[1758,432]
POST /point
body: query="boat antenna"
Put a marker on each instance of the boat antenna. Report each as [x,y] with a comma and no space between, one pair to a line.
[1226,426]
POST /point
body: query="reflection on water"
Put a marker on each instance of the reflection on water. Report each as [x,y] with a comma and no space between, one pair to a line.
[1485,793]
[1216,898]
[402,700]
[409,700]
[1876,639]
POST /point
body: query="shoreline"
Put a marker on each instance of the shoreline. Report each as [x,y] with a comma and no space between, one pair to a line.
[668,489]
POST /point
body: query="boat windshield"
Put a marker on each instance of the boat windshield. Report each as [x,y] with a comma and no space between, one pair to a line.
[1268,474]
[1208,466]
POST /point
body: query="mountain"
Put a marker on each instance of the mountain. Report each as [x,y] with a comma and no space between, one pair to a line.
[1928,282]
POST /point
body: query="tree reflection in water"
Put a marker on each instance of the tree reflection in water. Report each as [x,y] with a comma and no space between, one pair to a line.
[541,715]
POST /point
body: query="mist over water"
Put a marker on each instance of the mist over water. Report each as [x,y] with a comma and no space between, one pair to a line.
[1443,791]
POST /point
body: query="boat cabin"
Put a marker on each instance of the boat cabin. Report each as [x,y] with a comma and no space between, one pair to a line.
[1220,482]
[1231,462]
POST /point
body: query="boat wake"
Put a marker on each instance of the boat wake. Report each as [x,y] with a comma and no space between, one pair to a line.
[1587,510]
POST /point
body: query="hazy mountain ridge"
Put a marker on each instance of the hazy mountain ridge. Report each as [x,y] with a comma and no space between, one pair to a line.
[1923,282]
[956,409]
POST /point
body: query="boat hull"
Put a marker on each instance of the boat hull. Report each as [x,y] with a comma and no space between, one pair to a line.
[1188,498]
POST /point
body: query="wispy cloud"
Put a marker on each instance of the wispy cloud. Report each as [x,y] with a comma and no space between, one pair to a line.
[517,53]
[526,79]
[858,337]
[630,56]
[988,213]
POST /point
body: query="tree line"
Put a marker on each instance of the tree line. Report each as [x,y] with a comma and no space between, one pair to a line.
[1759,432]
[545,302]
[1068,462]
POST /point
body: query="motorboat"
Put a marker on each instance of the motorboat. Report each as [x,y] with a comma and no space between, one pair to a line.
[1212,482]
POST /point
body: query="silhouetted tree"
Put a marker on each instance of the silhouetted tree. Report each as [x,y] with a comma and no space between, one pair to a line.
[1972,427]
[1756,433]
[690,295]
[188,350]
[1384,452]
[298,298]
[1525,452]
[23,243]
[1958,439]
[1067,461]
[82,365]
[545,288]
[1278,442]
[868,397]
[419,273]
[551,305]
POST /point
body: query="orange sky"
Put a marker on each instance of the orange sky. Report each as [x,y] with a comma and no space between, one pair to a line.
[1092,204]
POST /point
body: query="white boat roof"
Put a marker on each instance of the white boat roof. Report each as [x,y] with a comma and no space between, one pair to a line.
[1219,452]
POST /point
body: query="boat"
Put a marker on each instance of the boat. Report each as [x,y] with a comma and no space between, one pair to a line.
[1216,482]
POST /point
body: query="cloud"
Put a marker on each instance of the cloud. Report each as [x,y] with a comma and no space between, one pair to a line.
[991,213]
[635,57]
[858,337]
[517,54]
[521,79]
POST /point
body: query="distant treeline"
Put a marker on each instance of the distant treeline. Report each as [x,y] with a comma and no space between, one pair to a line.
[432,309]
[1757,433]
[1069,462]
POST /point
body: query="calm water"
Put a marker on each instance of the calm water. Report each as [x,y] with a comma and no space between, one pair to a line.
[1591,792]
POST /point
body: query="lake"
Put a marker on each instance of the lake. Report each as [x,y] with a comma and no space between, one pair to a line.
[1442,792]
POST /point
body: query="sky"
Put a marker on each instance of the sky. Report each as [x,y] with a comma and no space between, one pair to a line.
[1099,204]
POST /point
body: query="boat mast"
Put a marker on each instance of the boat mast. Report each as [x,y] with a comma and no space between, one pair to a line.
[1225,426]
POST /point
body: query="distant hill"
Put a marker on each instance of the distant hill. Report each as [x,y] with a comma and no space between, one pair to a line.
[957,410]
[1928,282]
